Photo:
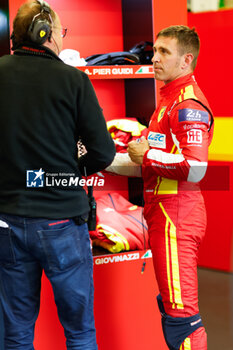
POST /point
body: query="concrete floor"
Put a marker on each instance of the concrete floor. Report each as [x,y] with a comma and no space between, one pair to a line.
[216,307]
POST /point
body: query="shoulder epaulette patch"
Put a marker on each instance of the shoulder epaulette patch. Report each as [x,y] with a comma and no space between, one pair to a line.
[187,93]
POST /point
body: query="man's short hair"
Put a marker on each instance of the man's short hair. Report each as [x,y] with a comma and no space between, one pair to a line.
[24,18]
[188,40]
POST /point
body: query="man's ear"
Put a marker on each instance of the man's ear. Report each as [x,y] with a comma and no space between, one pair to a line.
[187,60]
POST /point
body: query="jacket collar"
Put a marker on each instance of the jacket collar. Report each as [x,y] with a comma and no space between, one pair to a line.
[29,49]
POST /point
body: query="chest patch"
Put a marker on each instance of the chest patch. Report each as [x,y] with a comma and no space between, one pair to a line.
[157,140]
[161,113]
[193,115]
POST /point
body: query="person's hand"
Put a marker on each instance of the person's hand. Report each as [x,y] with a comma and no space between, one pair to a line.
[137,149]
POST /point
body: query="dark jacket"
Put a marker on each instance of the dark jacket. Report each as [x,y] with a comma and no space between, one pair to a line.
[45,107]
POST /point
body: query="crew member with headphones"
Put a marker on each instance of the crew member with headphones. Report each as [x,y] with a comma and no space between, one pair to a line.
[44,28]
[46,106]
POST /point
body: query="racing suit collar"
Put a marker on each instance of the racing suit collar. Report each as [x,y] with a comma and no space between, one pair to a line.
[176,84]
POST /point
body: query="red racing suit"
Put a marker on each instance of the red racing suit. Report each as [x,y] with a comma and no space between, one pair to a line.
[179,134]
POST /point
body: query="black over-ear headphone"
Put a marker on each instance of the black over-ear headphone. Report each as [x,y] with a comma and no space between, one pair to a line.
[40,29]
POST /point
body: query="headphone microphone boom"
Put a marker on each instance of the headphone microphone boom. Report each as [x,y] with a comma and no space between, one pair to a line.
[40,28]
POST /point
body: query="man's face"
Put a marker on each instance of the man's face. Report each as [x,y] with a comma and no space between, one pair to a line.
[57,34]
[167,61]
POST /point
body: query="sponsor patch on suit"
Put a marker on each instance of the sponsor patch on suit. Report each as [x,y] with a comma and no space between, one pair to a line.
[157,140]
[193,115]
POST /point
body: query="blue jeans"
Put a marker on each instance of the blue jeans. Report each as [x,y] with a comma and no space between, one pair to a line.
[60,248]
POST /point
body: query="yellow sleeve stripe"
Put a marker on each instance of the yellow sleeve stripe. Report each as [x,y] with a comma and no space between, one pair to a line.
[172,262]
[174,149]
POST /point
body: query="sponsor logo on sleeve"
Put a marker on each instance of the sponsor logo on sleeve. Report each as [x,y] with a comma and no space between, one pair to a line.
[194,136]
[157,140]
[193,115]
[194,125]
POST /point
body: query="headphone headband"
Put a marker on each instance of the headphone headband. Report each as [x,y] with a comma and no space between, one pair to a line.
[44,6]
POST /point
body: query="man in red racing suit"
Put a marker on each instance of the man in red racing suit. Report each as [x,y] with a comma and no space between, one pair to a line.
[174,159]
